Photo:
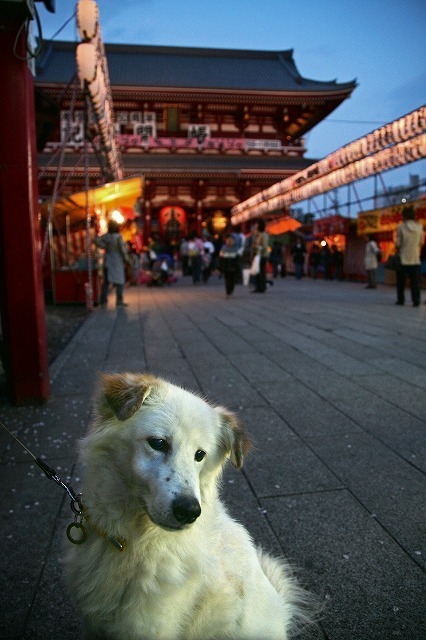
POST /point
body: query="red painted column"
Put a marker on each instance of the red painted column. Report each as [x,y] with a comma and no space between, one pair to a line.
[21,291]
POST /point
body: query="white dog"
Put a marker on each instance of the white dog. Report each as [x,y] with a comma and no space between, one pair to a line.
[187,570]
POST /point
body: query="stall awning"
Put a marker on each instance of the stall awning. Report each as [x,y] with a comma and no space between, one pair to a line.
[121,194]
[388,218]
[284,225]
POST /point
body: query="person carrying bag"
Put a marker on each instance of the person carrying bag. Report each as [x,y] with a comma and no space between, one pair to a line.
[409,239]
[259,256]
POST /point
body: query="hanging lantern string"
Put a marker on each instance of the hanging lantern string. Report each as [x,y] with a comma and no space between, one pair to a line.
[89,287]
[54,197]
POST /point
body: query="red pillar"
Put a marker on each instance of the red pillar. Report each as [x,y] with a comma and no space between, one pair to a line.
[21,291]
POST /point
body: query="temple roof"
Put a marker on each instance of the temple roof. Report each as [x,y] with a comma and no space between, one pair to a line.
[180,163]
[190,67]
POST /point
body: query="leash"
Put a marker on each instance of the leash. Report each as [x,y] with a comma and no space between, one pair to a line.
[76,531]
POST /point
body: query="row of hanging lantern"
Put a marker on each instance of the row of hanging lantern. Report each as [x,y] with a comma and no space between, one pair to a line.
[358,162]
[93,74]
[391,158]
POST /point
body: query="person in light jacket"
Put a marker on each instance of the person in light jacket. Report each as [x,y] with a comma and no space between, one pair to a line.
[409,239]
[260,246]
[114,260]
[371,262]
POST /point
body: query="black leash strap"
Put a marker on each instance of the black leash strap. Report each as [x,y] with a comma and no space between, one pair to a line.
[76,531]
[50,473]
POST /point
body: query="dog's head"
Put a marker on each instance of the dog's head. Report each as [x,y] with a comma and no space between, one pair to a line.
[161,445]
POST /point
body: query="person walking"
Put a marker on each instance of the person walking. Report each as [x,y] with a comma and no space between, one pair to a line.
[260,247]
[114,259]
[240,240]
[183,250]
[208,256]
[325,259]
[314,260]
[229,258]
[409,239]
[298,253]
[423,266]
[338,260]
[195,253]
[276,257]
[371,261]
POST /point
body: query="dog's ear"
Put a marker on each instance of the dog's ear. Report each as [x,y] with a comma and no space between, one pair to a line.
[236,441]
[124,393]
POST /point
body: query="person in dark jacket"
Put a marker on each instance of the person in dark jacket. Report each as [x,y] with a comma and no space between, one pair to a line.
[325,259]
[276,257]
[338,259]
[314,260]
[229,262]
[298,254]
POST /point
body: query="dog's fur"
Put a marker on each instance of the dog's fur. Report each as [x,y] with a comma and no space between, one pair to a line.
[145,483]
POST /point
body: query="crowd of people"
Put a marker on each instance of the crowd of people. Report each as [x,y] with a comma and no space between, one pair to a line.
[254,258]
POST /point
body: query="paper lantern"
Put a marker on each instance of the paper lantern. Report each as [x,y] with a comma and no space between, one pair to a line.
[87,60]
[97,90]
[87,19]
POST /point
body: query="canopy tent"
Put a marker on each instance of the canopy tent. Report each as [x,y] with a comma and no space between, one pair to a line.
[284,225]
[122,194]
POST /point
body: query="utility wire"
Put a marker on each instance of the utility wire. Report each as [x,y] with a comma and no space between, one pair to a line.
[61,28]
[355,121]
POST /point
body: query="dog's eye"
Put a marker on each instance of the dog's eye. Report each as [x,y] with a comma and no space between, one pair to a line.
[199,455]
[158,444]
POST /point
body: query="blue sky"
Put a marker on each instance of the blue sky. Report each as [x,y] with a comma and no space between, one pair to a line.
[380,43]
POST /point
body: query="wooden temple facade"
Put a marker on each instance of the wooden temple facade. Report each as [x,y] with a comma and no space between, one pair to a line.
[205,128]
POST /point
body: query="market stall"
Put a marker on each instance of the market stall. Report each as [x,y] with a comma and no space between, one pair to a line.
[70,262]
[331,233]
[382,223]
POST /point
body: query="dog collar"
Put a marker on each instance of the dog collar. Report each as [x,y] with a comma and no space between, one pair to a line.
[77,532]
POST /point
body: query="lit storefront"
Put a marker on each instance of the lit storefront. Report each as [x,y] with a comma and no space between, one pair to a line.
[382,223]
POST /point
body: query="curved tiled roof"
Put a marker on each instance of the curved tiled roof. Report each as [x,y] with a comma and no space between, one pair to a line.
[189,67]
[172,163]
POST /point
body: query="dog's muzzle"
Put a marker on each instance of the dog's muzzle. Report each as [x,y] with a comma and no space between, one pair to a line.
[186,509]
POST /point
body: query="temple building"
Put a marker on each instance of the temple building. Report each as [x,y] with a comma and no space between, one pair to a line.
[205,128]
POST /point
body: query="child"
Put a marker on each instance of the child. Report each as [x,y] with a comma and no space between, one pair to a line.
[229,263]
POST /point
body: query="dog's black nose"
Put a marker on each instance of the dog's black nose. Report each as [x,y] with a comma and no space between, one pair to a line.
[186,510]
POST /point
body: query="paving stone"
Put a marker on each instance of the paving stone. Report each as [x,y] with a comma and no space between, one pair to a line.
[353,566]
[362,464]
[229,389]
[407,396]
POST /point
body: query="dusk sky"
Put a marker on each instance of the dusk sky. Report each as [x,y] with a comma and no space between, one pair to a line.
[380,43]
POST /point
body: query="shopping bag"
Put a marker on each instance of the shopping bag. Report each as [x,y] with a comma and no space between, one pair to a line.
[246,277]
[255,265]
[393,263]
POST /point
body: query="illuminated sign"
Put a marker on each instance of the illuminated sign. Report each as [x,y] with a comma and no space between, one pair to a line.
[388,218]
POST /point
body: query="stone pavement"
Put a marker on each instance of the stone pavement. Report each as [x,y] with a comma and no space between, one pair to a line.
[330,380]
